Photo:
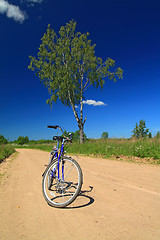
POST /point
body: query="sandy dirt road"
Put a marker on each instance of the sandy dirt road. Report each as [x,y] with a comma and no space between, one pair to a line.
[119,201]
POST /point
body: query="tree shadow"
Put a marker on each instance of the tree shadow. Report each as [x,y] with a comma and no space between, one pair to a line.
[88,200]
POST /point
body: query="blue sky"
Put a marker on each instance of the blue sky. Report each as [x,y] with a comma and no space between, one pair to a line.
[125,30]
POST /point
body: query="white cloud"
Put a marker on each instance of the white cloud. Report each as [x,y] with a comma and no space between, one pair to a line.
[12,11]
[3,6]
[94,103]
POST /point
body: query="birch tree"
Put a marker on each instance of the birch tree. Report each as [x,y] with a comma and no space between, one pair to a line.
[67,65]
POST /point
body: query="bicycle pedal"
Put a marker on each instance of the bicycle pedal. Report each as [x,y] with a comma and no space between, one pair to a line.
[45,165]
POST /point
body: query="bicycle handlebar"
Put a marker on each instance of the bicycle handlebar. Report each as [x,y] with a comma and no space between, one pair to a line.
[55,127]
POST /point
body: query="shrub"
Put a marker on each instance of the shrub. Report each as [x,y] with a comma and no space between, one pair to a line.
[158,135]
[5,151]
[104,135]
[140,130]
[22,140]
[3,140]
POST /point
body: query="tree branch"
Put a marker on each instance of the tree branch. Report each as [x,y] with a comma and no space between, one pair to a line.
[87,87]
[100,66]
[84,120]
[86,84]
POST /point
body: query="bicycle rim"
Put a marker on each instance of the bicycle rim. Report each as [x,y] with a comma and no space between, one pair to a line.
[64,190]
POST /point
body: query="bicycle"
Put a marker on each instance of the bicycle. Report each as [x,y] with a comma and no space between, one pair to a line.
[62,179]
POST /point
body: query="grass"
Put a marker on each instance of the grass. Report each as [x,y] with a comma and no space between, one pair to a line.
[119,147]
[142,148]
[43,146]
[5,151]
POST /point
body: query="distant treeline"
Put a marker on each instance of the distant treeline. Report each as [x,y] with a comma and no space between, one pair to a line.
[25,140]
[75,138]
[139,132]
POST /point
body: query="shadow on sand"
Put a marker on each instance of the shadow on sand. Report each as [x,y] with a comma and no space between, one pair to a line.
[87,200]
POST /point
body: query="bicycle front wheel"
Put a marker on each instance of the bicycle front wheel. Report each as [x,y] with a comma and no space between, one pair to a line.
[65,186]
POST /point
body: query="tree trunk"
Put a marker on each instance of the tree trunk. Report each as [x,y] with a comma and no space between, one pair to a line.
[79,120]
[81,132]
[81,124]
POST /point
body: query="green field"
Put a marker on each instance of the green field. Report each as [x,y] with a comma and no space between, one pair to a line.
[148,149]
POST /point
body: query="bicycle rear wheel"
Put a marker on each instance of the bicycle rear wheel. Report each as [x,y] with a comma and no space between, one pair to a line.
[64,188]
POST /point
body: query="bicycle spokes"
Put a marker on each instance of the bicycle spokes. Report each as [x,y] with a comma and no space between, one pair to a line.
[62,187]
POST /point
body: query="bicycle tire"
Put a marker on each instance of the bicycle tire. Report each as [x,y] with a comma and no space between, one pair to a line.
[61,189]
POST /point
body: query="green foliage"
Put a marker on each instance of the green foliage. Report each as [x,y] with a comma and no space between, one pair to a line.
[63,59]
[141,148]
[43,141]
[43,146]
[149,148]
[22,140]
[25,140]
[150,135]
[104,135]
[67,66]
[158,135]
[140,130]
[5,151]
[75,136]
[3,140]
